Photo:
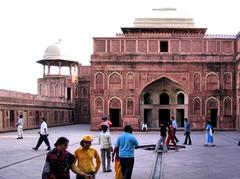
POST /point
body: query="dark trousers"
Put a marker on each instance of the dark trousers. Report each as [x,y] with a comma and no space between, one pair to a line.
[41,139]
[175,137]
[187,138]
[127,167]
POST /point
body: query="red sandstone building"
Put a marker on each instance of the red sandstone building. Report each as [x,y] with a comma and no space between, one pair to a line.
[163,66]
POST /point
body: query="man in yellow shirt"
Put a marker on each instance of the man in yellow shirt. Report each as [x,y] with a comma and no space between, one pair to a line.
[85,156]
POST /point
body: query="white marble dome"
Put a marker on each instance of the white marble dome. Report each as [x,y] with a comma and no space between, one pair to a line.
[56,52]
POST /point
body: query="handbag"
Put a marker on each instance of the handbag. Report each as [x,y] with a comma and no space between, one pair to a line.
[46,170]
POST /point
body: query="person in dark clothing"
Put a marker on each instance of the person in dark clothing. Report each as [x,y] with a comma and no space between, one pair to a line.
[59,162]
[187,130]
[163,135]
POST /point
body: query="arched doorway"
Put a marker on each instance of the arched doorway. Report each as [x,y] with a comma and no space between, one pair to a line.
[212,111]
[164,113]
[167,98]
[115,111]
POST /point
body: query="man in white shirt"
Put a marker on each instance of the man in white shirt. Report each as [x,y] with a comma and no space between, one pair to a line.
[20,125]
[144,127]
[174,123]
[106,148]
[43,135]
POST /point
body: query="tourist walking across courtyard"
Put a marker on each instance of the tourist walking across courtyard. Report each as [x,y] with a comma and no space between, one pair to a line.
[126,143]
[59,162]
[43,135]
[170,136]
[187,131]
[209,135]
[175,126]
[87,158]
[162,140]
[106,148]
[20,124]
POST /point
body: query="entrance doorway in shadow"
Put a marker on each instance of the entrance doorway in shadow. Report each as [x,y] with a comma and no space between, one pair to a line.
[115,117]
[164,116]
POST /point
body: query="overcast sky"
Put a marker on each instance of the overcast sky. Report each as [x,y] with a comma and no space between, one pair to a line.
[28,27]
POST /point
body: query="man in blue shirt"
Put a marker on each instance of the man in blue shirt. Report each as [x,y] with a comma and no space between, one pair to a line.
[126,143]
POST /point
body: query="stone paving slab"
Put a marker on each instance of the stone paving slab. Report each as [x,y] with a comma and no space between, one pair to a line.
[193,162]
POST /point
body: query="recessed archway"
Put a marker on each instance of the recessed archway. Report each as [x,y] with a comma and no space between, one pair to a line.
[168,98]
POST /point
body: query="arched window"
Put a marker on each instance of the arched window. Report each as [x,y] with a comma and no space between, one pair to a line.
[84,92]
[227,81]
[130,106]
[227,107]
[164,98]
[197,106]
[197,79]
[147,98]
[212,82]
[180,98]
[99,81]
[115,81]
[99,105]
[130,81]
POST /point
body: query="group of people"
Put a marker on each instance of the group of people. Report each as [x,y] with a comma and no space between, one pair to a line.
[123,152]
[86,161]
[168,134]
[43,132]
[171,127]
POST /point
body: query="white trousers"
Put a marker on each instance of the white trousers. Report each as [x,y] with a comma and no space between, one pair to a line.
[20,131]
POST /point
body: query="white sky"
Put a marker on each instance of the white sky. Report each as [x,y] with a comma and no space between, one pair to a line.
[28,27]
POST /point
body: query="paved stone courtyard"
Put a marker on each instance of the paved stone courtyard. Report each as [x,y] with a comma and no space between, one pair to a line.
[18,160]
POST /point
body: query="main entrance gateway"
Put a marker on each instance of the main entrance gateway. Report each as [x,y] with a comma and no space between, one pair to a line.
[161,100]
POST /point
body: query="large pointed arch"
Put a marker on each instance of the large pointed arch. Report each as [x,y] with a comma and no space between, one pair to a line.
[161,77]
[163,106]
